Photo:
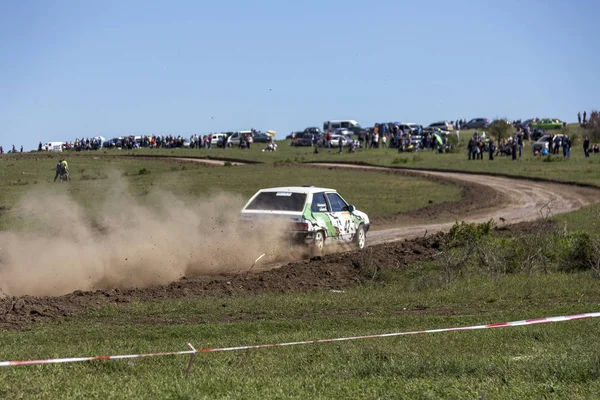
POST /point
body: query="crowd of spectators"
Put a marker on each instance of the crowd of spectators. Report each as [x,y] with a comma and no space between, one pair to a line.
[388,135]
[206,141]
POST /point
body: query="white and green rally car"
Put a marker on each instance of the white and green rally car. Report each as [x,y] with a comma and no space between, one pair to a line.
[311,215]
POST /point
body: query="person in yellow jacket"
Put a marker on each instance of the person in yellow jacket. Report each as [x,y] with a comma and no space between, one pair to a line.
[65,170]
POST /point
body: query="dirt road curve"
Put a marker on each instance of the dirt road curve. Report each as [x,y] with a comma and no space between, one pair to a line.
[525,200]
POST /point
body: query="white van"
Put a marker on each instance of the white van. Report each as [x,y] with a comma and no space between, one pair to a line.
[53,146]
[235,137]
[341,123]
[216,137]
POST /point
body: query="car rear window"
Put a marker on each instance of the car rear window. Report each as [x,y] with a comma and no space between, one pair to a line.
[278,201]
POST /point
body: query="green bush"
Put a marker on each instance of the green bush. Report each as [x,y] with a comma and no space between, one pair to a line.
[472,248]
[454,143]
[574,252]
[464,233]
[500,129]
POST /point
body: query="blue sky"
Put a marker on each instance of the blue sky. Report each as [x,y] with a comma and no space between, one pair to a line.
[84,68]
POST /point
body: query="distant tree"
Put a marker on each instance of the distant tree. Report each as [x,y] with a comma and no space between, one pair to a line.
[592,127]
[500,128]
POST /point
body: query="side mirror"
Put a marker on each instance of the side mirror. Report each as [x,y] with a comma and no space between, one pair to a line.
[351,208]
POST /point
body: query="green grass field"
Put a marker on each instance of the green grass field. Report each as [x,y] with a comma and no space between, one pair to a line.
[559,360]
[556,360]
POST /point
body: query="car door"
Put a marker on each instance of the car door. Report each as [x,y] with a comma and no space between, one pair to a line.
[340,217]
[235,139]
[320,215]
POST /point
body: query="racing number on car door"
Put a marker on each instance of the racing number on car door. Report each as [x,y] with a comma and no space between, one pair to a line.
[341,216]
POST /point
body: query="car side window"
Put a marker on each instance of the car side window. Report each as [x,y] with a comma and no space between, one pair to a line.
[336,203]
[318,203]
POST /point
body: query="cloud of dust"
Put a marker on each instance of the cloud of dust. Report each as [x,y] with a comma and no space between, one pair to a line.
[124,243]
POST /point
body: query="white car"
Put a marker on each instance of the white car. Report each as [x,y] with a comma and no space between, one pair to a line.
[409,127]
[309,215]
[335,140]
[342,132]
[216,137]
[236,137]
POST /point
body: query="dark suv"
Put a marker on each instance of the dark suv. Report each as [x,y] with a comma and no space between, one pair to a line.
[306,139]
[477,123]
[312,131]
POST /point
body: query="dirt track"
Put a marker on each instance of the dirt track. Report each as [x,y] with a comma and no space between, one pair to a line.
[503,199]
[521,200]
[506,200]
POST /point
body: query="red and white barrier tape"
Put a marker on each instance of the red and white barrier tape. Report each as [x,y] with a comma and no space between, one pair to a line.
[193,351]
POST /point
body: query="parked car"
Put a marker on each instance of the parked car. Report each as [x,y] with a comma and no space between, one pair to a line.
[526,124]
[346,140]
[235,138]
[416,140]
[306,139]
[309,215]
[114,142]
[547,123]
[219,139]
[544,143]
[477,123]
[445,125]
[432,129]
[293,135]
[312,131]
[261,137]
[538,133]
[411,127]
[342,131]
[349,124]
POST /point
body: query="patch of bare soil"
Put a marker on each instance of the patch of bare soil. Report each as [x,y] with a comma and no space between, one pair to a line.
[329,272]
[539,226]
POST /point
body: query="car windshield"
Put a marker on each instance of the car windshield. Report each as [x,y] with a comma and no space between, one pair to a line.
[278,201]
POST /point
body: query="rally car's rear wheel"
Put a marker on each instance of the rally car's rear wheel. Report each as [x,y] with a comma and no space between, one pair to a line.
[318,242]
[360,237]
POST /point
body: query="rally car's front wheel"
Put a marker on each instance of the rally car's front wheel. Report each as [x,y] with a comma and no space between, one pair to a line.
[360,237]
